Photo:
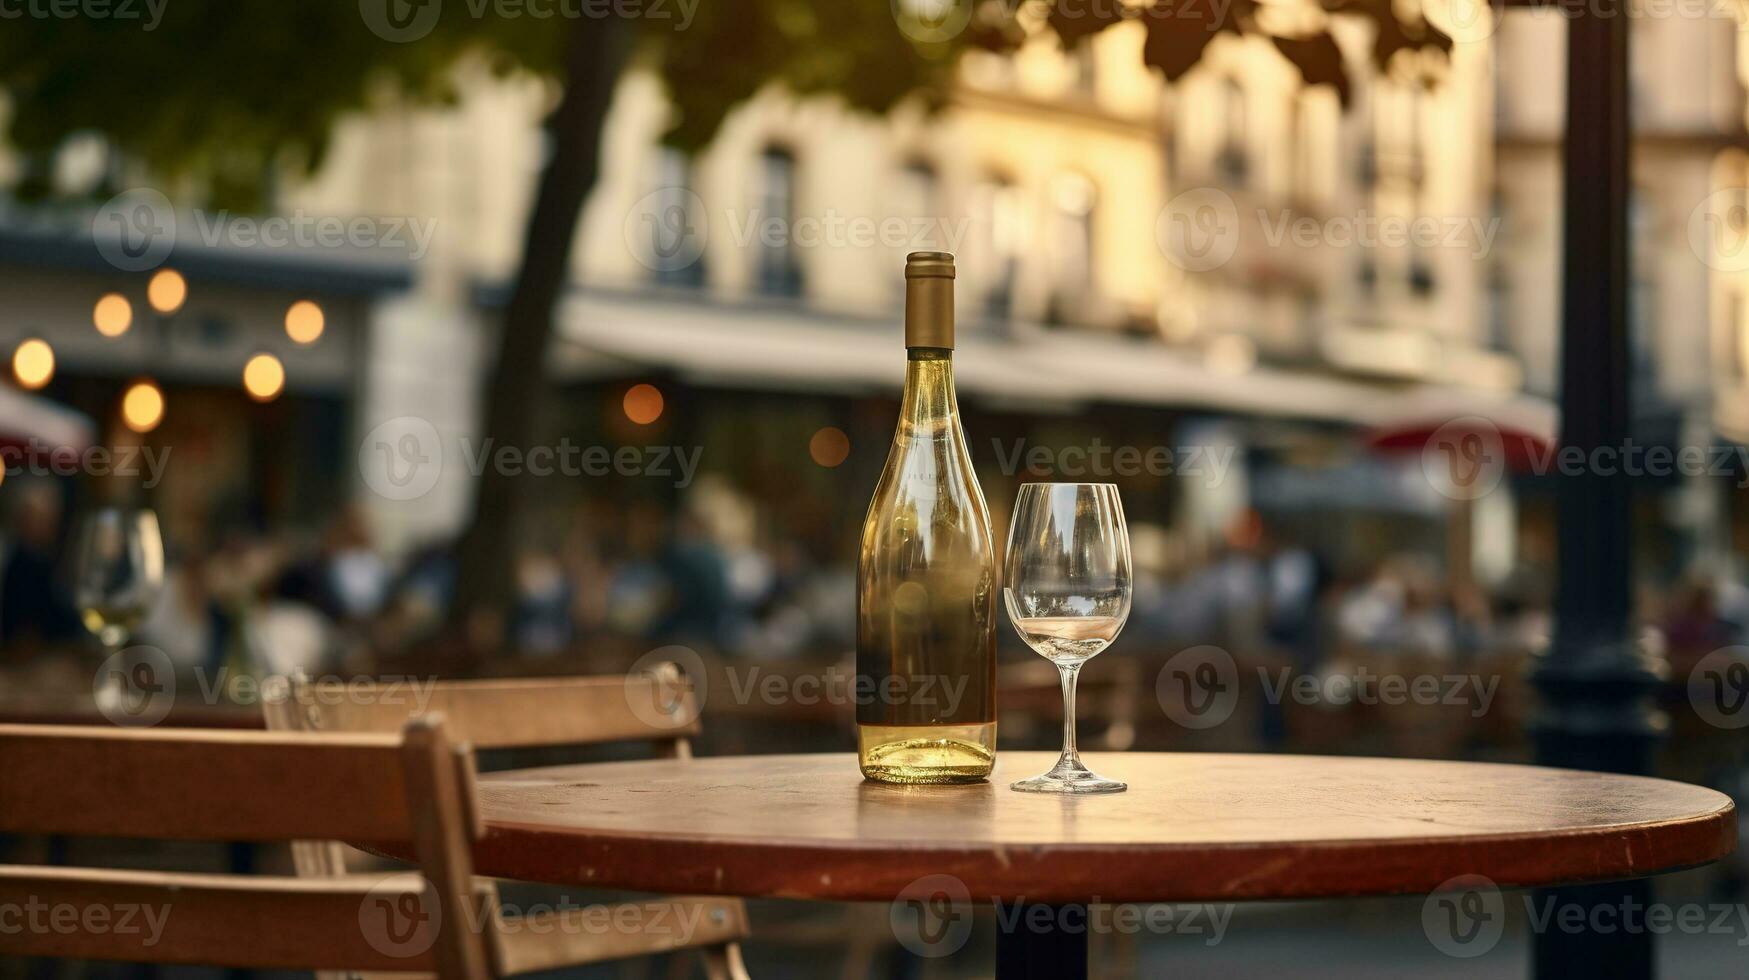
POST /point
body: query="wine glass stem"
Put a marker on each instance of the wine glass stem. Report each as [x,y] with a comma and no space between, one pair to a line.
[1070,674]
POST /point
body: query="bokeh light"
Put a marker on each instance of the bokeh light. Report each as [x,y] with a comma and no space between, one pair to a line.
[829,446]
[167,291]
[33,363]
[304,322]
[112,315]
[264,377]
[643,404]
[142,408]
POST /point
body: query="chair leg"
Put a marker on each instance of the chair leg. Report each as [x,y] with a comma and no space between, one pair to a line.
[724,962]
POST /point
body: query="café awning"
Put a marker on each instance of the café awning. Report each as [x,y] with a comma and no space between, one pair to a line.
[35,424]
[775,347]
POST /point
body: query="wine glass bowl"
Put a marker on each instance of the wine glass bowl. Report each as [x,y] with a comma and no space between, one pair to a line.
[1067,588]
[118,571]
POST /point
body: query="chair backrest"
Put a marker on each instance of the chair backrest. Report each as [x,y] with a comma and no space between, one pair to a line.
[245,786]
[657,707]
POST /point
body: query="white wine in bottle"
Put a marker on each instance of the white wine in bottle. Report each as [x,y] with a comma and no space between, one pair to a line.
[926,576]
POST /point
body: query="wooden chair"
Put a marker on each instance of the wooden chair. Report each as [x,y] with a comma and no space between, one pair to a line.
[245,786]
[658,707]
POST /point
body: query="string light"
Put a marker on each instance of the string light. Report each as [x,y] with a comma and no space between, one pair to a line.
[142,408]
[33,363]
[304,322]
[112,315]
[643,404]
[264,377]
[167,291]
[829,447]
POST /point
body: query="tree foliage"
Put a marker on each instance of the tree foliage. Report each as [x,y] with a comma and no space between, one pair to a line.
[233,95]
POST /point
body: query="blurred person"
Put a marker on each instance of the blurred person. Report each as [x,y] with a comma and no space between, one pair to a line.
[540,620]
[697,581]
[1692,623]
[36,608]
[346,579]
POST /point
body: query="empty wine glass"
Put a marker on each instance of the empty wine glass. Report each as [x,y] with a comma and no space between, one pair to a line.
[1067,586]
[117,573]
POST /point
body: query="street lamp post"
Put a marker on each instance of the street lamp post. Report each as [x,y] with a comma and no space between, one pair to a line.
[1596,685]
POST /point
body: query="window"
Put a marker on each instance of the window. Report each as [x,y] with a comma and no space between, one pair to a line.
[1001,227]
[676,226]
[1071,246]
[1233,162]
[779,270]
[1086,69]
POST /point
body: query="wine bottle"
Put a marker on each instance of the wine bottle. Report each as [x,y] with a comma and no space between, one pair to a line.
[926,575]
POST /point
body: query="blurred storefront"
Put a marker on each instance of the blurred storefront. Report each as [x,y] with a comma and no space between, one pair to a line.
[243,366]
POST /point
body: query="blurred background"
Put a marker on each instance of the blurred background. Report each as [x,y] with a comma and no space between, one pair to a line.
[477,341]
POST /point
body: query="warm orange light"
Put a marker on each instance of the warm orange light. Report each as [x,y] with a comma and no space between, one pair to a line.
[142,408]
[33,363]
[113,315]
[167,291]
[264,377]
[304,322]
[829,446]
[643,404]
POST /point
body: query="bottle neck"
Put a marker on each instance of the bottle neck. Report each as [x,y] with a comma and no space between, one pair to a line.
[929,394]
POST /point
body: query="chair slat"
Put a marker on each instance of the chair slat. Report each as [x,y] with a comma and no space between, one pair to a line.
[171,784]
[524,713]
[597,934]
[214,920]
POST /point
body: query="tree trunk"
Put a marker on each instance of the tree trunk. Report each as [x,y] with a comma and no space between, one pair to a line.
[485,584]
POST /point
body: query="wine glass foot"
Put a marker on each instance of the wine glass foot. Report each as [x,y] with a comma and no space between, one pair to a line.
[1076,779]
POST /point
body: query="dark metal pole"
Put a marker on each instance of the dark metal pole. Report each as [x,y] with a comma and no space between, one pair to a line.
[1043,942]
[1595,682]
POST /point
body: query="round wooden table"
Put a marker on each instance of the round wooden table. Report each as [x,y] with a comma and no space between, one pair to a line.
[1192,827]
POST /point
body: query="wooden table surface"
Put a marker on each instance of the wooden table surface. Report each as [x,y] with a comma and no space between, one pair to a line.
[1193,826]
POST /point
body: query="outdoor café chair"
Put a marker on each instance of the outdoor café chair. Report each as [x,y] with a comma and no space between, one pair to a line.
[166,784]
[656,707]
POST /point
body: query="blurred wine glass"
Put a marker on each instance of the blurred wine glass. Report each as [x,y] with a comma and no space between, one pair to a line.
[117,574]
[1067,587]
